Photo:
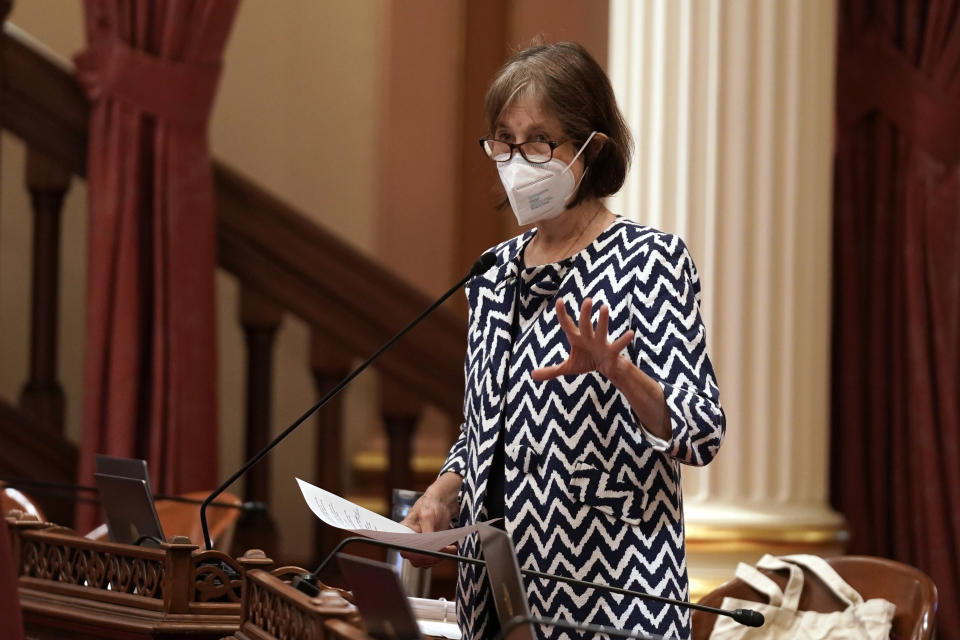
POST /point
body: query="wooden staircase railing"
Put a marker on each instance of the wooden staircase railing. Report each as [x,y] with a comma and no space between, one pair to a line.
[284,264]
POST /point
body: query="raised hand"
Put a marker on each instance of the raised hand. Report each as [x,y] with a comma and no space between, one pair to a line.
[589,348]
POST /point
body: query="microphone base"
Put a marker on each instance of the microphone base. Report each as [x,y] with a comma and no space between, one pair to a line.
[306,583]
[255,529]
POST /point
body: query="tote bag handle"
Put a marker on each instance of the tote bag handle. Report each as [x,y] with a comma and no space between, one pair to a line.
[786,599]
[822,569]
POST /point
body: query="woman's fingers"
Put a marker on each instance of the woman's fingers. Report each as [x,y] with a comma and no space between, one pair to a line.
[621,343]
[545,373]
[565,322]
[425,516]
[411,523]
[603,322]
[586,324]
[416,559]
[420,561]
[588,346]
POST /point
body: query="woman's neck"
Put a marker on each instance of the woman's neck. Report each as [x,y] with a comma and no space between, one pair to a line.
[568,233]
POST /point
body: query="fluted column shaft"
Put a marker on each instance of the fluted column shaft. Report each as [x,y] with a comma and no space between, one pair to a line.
[731,108]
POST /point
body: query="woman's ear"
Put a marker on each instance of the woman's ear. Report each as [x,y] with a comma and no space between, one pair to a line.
[596,144]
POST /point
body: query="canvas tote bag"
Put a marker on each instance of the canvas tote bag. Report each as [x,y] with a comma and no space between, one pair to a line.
[861,620]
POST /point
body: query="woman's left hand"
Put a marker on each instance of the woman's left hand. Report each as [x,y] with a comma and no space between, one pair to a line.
[589,348]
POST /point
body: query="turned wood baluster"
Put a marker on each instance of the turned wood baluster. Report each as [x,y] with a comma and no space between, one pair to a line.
[42,395]
[330,364]
[401,413]
[260,318]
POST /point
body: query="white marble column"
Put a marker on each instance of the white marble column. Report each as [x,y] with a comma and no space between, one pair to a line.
[730,103]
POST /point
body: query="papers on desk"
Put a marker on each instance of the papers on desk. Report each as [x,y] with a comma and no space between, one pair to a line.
[438,610]
[343,514]
[436,618]
[435,629]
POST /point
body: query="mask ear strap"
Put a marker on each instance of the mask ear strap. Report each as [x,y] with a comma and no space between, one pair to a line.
[582,175]
[581,150]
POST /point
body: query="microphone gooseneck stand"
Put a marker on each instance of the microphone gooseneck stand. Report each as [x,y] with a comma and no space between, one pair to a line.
[307,583]
[483,263]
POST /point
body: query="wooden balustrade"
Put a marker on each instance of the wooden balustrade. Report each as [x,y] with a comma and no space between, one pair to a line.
[285,264]
[330,364]
[33,443]
[42,395]
[43,104]
[273,610]
[72,587]
[260,318]
[401,413]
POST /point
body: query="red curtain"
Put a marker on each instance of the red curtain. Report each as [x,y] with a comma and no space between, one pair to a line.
[150,69]
[895,463]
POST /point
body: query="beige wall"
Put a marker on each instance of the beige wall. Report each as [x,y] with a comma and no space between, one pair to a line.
[556,20]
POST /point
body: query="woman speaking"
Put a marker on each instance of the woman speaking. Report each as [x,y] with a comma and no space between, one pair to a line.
[587,376]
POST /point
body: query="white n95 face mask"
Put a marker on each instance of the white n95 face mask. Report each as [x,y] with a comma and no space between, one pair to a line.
[539,191]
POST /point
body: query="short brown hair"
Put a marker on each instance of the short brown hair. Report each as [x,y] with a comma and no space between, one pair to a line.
[570,84]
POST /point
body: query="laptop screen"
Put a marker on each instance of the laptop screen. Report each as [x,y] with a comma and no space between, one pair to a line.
[128,508]
[124,467]
[382,602]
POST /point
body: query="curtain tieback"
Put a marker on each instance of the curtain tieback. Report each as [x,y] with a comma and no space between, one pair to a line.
[176,92]
[875,75]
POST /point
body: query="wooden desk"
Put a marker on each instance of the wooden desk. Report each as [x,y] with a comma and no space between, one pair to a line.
[72,587]
[273,610]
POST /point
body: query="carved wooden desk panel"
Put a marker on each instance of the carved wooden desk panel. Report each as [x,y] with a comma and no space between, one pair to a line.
[72,587]
[273,610]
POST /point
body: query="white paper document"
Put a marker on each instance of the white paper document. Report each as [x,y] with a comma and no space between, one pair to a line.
[439,629]
[343,514]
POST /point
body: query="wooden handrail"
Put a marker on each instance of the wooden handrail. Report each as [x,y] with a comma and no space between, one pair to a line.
[267,244]
[43,104]
[341,292]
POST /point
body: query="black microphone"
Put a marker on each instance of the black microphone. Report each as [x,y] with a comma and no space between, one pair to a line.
[483,263]
[748,617]
[307,583]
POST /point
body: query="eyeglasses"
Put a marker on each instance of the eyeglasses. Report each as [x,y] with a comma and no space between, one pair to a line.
[534,151]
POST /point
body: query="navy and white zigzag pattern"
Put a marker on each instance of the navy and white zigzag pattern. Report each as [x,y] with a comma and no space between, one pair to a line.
[589,492]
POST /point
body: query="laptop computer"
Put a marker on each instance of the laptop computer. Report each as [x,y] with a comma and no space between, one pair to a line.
[382,602]
[129,510]
[124,467]
[506,585]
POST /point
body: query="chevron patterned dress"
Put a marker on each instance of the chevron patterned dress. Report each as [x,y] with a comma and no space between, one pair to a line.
[589,493]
